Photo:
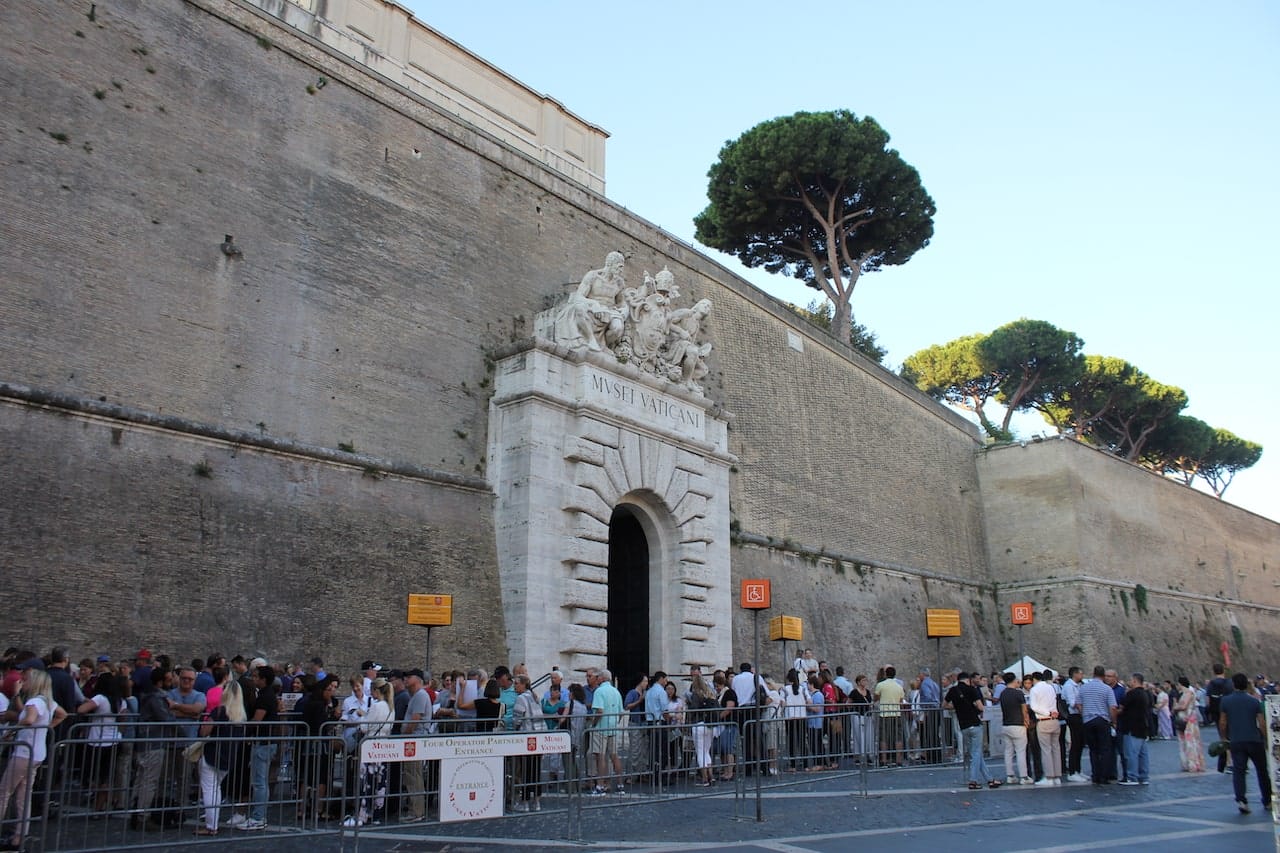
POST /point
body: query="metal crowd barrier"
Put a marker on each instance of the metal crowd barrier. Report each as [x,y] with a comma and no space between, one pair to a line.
[18,782]
[142,791]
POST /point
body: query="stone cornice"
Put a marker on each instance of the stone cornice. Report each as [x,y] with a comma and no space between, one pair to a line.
[111,412]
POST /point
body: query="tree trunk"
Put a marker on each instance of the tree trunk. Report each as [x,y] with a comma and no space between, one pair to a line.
[841,318]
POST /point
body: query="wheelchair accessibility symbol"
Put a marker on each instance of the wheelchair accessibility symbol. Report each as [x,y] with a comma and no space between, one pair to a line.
[755,594]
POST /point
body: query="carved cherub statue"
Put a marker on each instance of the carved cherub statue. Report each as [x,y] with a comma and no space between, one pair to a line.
[686,356]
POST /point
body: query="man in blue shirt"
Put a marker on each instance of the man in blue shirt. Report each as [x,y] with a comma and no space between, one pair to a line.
[1241,721]
[930,708]
[655,709]
[1098,710]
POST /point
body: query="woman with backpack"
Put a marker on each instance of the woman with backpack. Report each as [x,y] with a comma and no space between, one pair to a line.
[702,706]
[224,734]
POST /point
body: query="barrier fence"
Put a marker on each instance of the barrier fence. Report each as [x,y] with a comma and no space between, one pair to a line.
[96,792]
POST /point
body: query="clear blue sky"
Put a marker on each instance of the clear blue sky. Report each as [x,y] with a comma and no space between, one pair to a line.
[1111,168]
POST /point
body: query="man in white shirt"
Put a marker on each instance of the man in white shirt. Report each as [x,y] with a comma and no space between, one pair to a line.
[1043,703]
[806,665]
[745,685]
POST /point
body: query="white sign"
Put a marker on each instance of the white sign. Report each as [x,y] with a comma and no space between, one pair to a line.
[478,746]
[381,750]
[470,788]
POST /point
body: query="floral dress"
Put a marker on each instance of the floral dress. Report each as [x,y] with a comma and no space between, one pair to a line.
[1189,743]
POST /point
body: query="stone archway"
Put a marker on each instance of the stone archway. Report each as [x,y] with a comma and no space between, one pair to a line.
[574,439]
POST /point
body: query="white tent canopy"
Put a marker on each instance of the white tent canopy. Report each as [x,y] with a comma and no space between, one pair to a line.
[1027,665]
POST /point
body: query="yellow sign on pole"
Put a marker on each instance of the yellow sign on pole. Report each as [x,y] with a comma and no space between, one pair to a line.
[786,628]
[431,610]
[942,623]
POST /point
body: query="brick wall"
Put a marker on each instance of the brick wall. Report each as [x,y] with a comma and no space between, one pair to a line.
[113,540]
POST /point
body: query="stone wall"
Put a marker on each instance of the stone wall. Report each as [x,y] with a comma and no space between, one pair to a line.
[863,616]
[1080,531]
[121,535]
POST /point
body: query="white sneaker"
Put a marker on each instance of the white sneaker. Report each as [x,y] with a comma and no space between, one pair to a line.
[1057,780]
[236,820]
[1077,777]
[520,806]
[1046,782]
[1127,782]
[1010,780]
[1026,780]
[251,825]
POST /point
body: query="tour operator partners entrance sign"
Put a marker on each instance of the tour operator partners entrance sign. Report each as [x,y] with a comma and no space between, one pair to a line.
[470,765]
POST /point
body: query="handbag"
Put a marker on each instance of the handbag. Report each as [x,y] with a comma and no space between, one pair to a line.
[194,752]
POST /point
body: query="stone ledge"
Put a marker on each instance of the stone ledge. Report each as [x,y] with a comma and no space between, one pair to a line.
[97,409]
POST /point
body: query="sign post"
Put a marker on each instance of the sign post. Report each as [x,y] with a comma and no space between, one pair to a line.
[939,623]
[755,597]
[1022,613]
[430,610]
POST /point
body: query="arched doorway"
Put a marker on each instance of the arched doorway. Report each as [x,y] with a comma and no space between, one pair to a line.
[628,623]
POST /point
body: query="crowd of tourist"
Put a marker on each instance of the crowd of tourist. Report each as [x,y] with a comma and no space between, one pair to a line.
[219,719]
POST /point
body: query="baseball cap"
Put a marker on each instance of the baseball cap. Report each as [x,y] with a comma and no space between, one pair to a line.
[415,671]
[30,663]
[376,667]
[257,662]
[104,658]
[143,654]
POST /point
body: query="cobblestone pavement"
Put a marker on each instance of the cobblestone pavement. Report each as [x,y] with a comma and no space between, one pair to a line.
[906,810]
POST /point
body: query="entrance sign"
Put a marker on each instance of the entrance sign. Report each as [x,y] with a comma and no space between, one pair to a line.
[470,789]
[755,594]
[1023,613]
[515,743]
[430,610]
[786,628]
[470,765]
[381,750]
[941,623]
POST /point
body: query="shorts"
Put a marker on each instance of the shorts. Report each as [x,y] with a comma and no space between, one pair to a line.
[603,742]
[890,732]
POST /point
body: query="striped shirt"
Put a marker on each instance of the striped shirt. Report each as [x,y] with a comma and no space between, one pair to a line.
[1098,699]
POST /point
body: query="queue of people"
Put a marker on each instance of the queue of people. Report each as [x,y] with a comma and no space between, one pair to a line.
[155,733]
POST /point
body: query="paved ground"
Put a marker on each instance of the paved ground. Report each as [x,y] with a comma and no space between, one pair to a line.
[905,811]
